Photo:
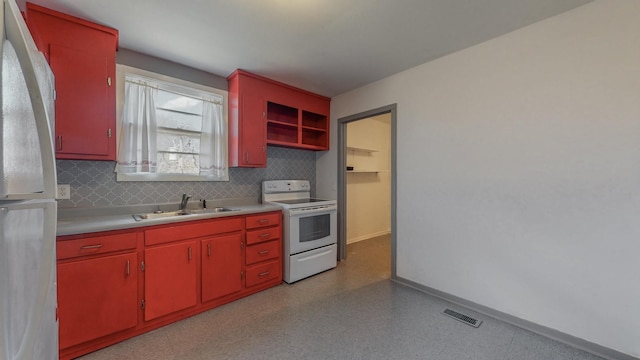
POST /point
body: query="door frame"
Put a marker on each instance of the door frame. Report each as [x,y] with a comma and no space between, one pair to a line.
[342,179]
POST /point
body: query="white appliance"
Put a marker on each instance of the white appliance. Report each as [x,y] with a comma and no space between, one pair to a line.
[310,228]
[28,324]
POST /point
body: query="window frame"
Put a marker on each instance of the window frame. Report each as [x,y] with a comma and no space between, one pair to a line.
[174,85]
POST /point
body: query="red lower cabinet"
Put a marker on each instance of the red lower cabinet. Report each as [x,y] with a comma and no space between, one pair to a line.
[221,266]
[97,297]
[170,279]
[262,273]
[115,285]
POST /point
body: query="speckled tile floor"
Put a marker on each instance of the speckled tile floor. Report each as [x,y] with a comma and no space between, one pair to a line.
[351,312]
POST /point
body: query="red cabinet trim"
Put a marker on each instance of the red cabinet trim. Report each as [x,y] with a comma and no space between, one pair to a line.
[111,31]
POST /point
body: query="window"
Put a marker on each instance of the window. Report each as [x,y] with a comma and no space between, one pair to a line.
[171,132]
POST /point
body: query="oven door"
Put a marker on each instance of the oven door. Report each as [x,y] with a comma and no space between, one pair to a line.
[310,228]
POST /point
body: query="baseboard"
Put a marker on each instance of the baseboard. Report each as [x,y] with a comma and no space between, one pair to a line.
[368,236]
[564,338]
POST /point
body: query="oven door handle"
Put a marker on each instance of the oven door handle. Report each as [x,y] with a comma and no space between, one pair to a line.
[312,211]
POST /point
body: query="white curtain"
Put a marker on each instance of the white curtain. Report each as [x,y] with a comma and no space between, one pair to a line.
[138,150]
[213,142]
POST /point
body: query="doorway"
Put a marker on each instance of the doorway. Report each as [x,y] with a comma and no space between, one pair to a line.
[367,165]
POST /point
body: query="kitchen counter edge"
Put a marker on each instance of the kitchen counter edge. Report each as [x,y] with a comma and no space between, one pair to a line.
[91,224]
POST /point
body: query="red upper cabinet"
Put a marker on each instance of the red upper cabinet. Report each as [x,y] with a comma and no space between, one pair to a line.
[247,127]
[82,56]
[264,111]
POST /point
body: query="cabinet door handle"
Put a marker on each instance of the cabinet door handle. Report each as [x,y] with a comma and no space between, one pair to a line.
[128,270]
[59,142]
[209,250]
[264,236]
[87,247]
[263,252]
[246,156]
[189,256]
[263,274]
[263,221]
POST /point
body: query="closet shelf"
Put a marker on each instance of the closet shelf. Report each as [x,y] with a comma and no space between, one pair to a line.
[366,171]
[353,148]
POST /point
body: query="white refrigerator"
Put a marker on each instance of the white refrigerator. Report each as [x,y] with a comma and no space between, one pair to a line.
[28,324]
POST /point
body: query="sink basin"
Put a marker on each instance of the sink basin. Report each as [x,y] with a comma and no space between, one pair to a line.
[211,210]
[165,214]
[155,215]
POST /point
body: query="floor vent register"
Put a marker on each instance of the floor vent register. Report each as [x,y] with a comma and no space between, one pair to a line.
[462,318]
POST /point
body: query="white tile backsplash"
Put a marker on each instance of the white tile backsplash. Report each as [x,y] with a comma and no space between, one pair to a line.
[93,183]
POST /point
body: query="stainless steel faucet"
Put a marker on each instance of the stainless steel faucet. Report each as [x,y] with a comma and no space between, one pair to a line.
[185,200]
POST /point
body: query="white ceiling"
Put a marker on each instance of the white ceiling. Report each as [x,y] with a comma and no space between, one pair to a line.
[325,46]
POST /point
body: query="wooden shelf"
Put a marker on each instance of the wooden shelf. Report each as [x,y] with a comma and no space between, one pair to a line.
[266,112]
[282,113]
[353,148]
[285,128]
[315,138]
[281,133]
[281,124]
[313,120]
[298,146]
[310,128]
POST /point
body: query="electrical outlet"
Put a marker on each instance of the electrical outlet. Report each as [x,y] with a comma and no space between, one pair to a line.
[64,191]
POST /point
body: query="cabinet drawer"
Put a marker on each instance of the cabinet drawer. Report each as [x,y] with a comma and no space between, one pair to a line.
[262,273]
[262,235]
[190,231]
[96,245]
[264,251]
[262,220]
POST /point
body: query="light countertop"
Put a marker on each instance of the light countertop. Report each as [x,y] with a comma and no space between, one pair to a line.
[73,221]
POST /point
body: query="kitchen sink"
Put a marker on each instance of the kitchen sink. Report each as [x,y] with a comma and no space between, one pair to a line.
[165,214]
[162,214]
[211,210]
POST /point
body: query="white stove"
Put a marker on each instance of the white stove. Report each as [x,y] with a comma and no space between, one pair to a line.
[309,226]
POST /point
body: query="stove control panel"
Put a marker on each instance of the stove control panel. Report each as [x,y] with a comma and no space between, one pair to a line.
[284,186]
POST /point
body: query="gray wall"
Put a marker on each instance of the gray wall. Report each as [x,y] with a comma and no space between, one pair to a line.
[518,172]
[169,68]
